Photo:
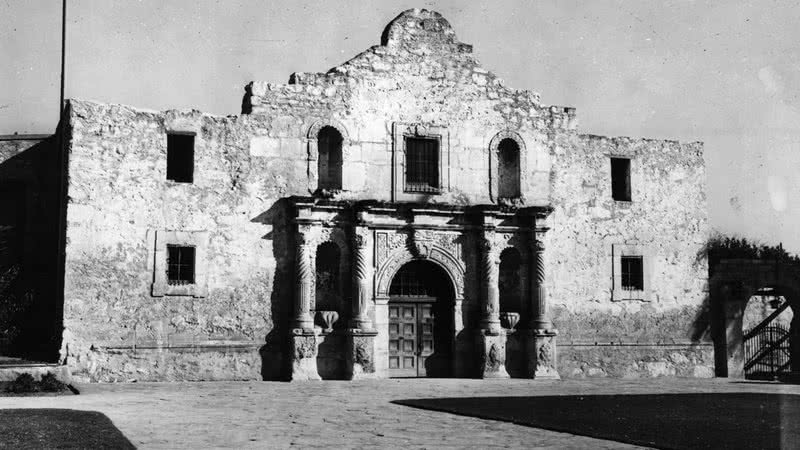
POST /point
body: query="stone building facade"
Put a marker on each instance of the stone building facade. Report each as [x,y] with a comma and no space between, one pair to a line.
[403,214]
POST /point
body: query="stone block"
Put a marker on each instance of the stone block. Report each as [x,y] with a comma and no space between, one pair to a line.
[491,352]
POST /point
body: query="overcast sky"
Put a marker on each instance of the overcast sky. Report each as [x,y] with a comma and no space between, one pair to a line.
[724,73]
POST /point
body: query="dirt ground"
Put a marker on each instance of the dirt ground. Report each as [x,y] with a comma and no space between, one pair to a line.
[369,414]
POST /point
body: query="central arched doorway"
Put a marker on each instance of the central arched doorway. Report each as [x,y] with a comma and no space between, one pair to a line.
[421,302]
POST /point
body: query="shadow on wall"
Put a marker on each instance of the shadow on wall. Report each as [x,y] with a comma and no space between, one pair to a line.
[275,361]
[723,420]
[31,268]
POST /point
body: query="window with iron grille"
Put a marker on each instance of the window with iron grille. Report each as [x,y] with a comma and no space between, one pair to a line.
[180,265]
[632,272]
[422,165]
[180,158]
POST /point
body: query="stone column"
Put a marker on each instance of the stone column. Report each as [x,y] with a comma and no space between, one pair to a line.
[304,280]
[491,336]
[360,302]
[490,278]
[360,353]
[542,335]
[539,317]
[304,339]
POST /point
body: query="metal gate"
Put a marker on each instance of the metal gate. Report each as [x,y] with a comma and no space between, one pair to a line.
[766,352]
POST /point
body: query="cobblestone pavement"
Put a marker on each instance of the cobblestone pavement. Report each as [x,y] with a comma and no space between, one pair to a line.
[337,414]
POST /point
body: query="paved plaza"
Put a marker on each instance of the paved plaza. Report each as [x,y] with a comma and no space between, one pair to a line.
[363,414]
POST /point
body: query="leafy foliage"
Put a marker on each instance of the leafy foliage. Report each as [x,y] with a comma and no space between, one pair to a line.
[25,384]
[727,247]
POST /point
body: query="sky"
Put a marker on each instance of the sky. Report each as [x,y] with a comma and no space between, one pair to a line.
[726,73]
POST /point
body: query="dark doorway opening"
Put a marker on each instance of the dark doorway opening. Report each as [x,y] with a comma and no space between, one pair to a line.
[421,321]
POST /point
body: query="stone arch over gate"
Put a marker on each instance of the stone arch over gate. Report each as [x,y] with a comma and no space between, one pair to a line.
[420,249]
[732,284]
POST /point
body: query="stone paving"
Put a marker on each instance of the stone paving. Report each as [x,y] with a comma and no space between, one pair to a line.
[343,414]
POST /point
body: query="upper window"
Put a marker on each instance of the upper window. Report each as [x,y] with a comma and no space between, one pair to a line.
[329,162]
[422,165]
[180,157]
[632,272]
[180,265]
[621,179]
[508,168]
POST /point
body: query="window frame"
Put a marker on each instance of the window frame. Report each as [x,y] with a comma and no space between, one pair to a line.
[618,291]
[628,187]
[158,262]
[192,265]
[182,134]
[419,187]
[399,133]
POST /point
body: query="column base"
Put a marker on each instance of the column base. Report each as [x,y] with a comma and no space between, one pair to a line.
[360,354]
[542,354]
[304,355]
[491,348]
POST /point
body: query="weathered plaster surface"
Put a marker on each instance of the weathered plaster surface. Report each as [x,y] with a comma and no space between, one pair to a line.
[421,79]
[666,219]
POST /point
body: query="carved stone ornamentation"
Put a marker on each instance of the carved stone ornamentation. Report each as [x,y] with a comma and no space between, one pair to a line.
[539,316]
[360,356]
[509,320]
[361,294]
[436,246]
[542,362]
[492,355]
[490,275]
[328,318]
[304,356]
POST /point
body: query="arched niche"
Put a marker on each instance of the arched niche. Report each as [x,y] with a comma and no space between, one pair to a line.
[507,166]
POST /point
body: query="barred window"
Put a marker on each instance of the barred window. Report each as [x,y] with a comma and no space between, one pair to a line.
[180,265]
[632,272]
[422,165]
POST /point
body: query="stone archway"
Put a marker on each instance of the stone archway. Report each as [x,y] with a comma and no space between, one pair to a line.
[734,282]
[420,321]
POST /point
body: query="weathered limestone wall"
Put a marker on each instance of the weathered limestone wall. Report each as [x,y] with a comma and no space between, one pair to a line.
[419,80]
[666,221]
[119,198]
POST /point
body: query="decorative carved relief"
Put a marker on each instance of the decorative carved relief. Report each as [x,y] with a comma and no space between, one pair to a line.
[363,353]
[496,358]
[545,355]
[398,248]
[305,347]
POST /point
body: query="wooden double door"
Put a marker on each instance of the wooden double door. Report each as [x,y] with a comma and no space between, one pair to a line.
[411,336]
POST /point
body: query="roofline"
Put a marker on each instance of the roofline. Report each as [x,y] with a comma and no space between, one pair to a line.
[24,137]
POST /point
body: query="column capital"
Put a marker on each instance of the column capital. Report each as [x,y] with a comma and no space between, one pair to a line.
[360,237]
[307,234]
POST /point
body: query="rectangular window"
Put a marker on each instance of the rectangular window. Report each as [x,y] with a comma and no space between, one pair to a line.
[632,272]
[180,157]
[621,179]
[180,265]
[422,165]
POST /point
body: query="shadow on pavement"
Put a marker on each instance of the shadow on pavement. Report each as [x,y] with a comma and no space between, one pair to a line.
[59,428]
[725,420]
